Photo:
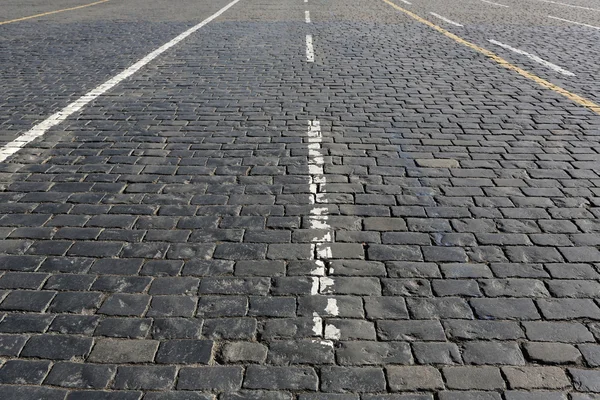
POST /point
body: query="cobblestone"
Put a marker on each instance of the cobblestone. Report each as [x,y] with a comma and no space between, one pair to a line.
[398,218]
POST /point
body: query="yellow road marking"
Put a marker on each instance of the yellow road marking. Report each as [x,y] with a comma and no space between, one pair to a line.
[542,82]
[52,12]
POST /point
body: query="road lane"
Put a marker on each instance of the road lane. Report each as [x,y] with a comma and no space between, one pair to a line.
[526,26]
[49,63]
[402,218]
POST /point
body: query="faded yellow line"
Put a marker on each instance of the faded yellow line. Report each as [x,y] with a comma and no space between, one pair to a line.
[52,12]
[542,82]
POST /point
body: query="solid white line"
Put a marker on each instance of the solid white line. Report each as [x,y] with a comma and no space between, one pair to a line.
[495,4]
[310,53]
[535,58]
[58,117]
[307,16]
[570,5]
[445,19]
[573,22]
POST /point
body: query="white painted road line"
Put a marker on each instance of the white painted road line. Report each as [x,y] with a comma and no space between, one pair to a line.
[495,4]
[445,19]
[319,220]
[570,5]
[573,22]
[535,58]
[307,16]
[406,2]
[310,53]
[40,129]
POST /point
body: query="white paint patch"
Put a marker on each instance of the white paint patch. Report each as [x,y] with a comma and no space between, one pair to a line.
[327,343]
[314,289]
[406,2]
[573,22]
[535,58]
[317,325]
[319,223]
[495,4]
[445,19]
[60,116]
[324,252]
[307,16]
[332,307]
[326,285]
[570,5]
[332,333]
[320,268]
[310,52]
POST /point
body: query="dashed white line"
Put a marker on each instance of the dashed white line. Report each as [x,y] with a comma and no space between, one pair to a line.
[307,16]
[574,22]
[445,19]
[495,4]
[318,220]
[40,129]
[570,5]
[406,2]
[535,58]
[310,53]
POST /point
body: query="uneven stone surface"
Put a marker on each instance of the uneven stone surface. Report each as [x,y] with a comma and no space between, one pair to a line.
[389,214]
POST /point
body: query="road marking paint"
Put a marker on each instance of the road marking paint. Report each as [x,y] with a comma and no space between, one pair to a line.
[310,53]
[52,12]
[574,22]
[535,58]
[327,343]
[570,5]
[406,2]
[333,333]
[445,19]
[495,4]
[326,285]
[332,307]
[317,324]
[582,101]
[318,219]
[315,286]
[40,129]
[307,16]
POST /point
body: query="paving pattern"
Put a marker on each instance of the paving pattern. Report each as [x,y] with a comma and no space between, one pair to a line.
[344,204]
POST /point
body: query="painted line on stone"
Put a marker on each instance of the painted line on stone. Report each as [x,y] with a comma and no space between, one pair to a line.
[52,12]
[307,16]
[495,4]
[406,2]
[574,22]
[40,129]
[570,5]
[582,101]
[319,220]
[535,58]
[310,52]
[445,19]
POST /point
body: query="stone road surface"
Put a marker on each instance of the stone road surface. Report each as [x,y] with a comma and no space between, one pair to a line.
[302,200]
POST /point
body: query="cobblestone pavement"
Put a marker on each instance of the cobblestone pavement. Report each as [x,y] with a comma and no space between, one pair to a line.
[344,204]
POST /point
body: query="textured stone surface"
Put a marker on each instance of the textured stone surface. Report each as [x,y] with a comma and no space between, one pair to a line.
[187,236]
